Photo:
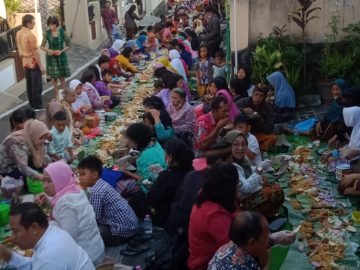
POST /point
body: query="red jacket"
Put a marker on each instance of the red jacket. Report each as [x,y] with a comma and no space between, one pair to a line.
[208,231]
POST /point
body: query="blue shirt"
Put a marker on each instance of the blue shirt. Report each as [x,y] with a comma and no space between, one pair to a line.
[61,141]
[113,210]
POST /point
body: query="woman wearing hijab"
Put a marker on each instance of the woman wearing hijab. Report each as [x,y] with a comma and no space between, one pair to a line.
[166,63]
[177,64]
[130,25]
[234,111]
[71,210]
[140,43]
[284,96]
[262,197]
[182,115]
[23,153]
[117,45]
[332,123]
[198,26]
[244,75]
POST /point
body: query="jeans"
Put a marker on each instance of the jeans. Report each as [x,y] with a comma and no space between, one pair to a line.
[34,87]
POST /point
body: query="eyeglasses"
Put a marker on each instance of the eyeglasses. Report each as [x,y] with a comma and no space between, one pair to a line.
[238,145]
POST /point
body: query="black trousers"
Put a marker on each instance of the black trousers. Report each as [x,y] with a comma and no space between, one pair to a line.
[109,239]
[34,87]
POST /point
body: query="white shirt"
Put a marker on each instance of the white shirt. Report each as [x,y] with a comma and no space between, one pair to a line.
[74,214]
[55,250]
[99,69]
[249,185]
[81,101]
[254,147]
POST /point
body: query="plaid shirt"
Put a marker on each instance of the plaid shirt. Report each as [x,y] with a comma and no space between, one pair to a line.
[113,210]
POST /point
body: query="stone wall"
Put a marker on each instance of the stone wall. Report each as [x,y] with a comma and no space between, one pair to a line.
[264,15]
[45,7]
[252,19]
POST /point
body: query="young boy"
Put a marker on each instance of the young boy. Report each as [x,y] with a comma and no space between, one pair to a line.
[220,68]
[242,123]
[116,30]
[158,86]
[116,220]
[61,146]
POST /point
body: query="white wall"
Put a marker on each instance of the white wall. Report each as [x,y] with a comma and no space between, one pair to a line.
[150,5]
[77,23]
[7,74]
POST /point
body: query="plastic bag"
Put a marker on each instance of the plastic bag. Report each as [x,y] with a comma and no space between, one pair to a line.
[9,186]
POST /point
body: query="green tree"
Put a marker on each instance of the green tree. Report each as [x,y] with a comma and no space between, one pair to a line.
[12,6]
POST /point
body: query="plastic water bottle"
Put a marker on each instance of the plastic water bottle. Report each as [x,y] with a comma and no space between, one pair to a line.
[148,225]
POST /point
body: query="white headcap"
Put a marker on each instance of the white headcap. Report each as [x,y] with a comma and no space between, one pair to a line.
[73,84]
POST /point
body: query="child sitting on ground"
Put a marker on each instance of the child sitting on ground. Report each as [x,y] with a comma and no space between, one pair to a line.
[116,220]
[82,103]
[60,146]
[243,124]
[158,86]
[220,68]
[17,120]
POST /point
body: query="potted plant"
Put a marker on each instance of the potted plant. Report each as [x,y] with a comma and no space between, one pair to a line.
[264,62]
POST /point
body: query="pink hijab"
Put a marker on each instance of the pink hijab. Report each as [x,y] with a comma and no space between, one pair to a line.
[63,179]
[233,109]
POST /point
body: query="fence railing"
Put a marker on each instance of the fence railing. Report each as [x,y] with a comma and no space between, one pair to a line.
[8,42]
[8,49]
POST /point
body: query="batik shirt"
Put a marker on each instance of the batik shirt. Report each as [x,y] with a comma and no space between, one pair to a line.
[232,257]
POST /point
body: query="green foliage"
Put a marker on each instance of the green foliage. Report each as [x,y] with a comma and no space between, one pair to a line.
[335,64]
[353,38]
[291,56]
[12,6]
[264,62]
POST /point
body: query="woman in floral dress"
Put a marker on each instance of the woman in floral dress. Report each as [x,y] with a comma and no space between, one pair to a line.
[56,61]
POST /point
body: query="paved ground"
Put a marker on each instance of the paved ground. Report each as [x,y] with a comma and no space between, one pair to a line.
[16,98]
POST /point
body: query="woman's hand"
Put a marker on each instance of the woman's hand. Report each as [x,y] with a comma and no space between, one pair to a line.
[283,237]
[40,199]
[50,52]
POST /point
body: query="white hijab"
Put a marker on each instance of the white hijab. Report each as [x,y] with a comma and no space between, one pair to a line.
[176,63]
[352,119]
